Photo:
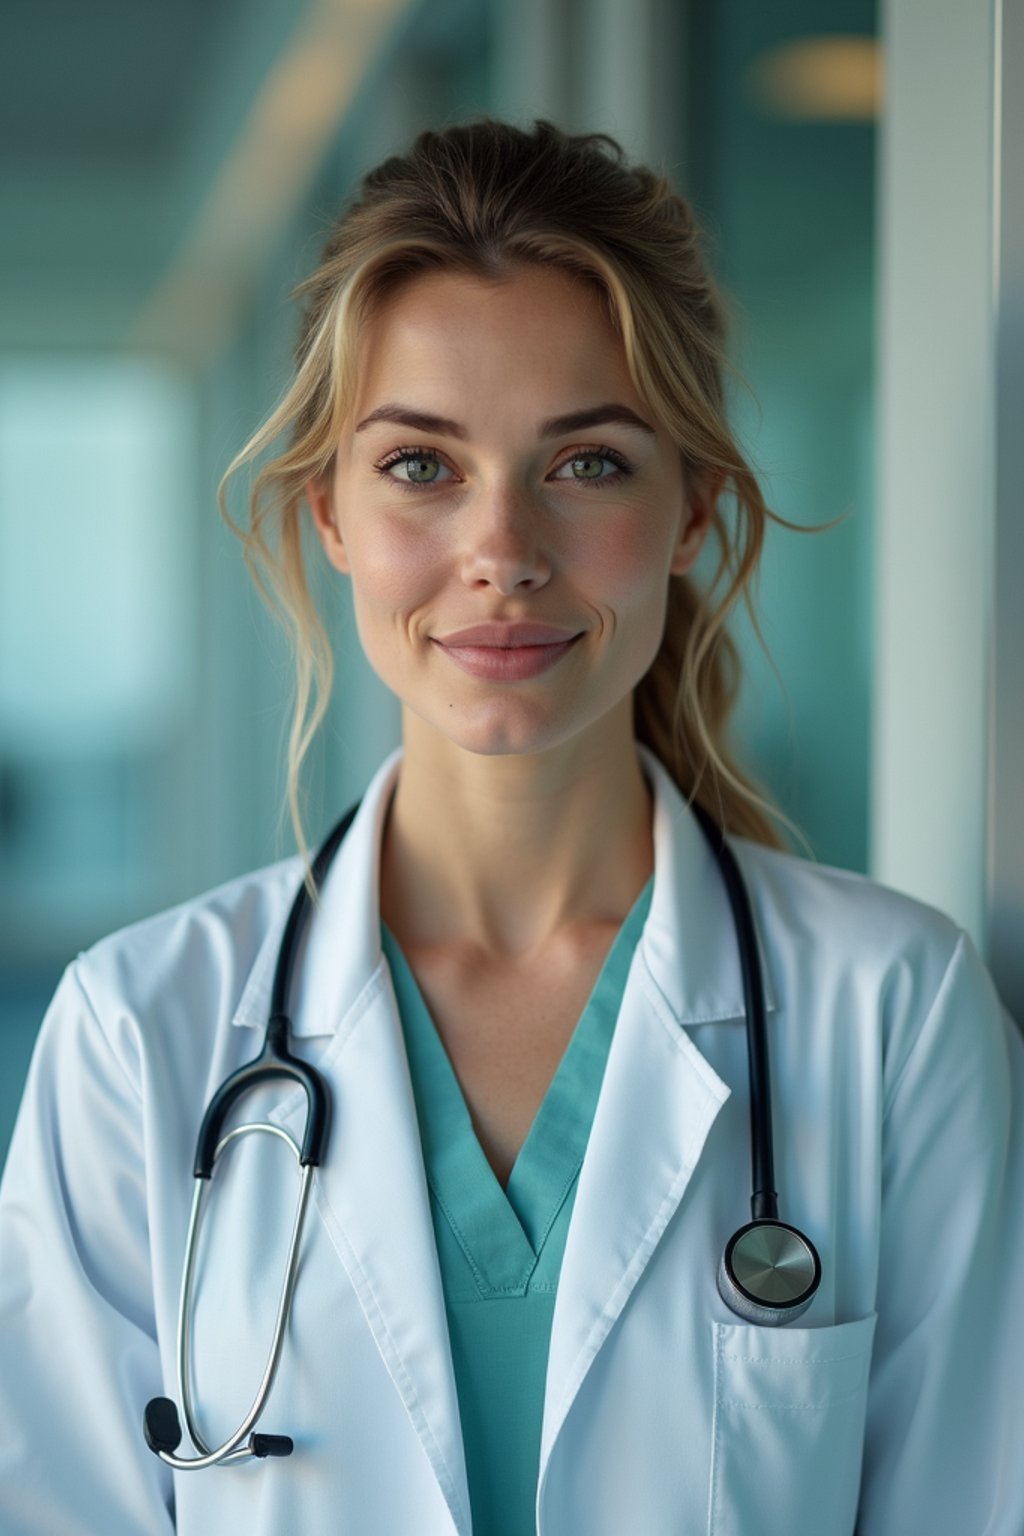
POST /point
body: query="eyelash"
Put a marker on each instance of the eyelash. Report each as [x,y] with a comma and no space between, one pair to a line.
[402,455]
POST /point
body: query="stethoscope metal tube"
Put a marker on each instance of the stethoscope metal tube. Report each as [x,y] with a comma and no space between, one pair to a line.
[166,1417]
[768,1273]
[161,1425]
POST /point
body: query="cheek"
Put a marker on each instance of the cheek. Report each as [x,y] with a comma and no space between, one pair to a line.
[628,574]
[628,562]
[393,569]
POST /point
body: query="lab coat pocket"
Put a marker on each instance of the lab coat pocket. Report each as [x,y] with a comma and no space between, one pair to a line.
[788,1431]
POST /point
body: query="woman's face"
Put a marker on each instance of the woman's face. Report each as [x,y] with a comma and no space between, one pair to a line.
[494,511]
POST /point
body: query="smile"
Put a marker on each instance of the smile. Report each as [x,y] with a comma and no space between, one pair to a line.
[507,664]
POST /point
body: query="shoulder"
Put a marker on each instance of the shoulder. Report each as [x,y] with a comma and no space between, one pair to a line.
[809,899]
[222,928]
[188,963]
[835,934]
[892,975]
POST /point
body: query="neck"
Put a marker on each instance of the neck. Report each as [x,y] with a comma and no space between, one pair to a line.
[501,855]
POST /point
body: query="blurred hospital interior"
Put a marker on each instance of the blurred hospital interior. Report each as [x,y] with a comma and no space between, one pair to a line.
[168,173]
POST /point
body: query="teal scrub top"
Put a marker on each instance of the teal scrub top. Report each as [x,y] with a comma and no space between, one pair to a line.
[500,1251]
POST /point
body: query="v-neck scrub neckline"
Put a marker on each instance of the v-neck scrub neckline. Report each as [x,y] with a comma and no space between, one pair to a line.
[499,1245]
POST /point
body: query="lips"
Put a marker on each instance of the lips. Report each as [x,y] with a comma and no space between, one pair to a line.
[505,663]
[508,636]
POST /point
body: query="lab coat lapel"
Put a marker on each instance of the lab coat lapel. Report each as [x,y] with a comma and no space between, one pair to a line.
[658,1101]
[659,1096]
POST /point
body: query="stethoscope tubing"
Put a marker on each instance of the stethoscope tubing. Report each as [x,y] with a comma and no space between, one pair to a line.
[764,1204]
[768,1273]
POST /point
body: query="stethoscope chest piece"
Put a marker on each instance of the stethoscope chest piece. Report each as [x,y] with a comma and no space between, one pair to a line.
[768,1273]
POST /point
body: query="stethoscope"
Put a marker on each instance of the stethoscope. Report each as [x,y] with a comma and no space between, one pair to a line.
[768,1273]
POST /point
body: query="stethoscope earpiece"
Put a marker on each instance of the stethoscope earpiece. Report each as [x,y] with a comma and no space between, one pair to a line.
[161,1425]
[769,1273]
[162,1429]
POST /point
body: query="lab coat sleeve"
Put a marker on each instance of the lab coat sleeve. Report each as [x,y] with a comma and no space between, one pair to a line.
[944,1445]
[78,1352]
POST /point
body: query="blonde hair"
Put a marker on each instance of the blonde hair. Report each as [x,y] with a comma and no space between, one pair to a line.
[483,198]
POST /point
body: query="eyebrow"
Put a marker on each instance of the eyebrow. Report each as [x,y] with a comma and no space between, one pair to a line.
[553,426]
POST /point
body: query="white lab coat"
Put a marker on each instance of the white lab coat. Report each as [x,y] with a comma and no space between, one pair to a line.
[893,1405]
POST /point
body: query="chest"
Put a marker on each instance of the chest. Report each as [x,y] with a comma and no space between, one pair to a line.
[505,1029]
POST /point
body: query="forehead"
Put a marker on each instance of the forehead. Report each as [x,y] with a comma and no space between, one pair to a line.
[541,321]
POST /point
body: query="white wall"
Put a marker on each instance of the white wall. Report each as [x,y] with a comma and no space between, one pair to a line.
[935,480]
[1005,890]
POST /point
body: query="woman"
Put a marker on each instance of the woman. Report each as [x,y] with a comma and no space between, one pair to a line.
[521,983]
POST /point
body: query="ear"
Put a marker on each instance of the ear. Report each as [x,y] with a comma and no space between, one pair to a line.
[700,506]
[321,505]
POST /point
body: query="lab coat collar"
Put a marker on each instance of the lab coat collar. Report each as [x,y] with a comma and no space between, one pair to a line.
[688,941]
[341,947]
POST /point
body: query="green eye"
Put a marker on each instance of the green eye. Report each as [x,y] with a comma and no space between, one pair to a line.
[595,457]
[417,460]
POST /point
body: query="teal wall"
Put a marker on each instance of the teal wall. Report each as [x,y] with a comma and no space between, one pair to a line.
[789,211]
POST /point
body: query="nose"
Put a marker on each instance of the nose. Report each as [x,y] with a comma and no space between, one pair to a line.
[508,539]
